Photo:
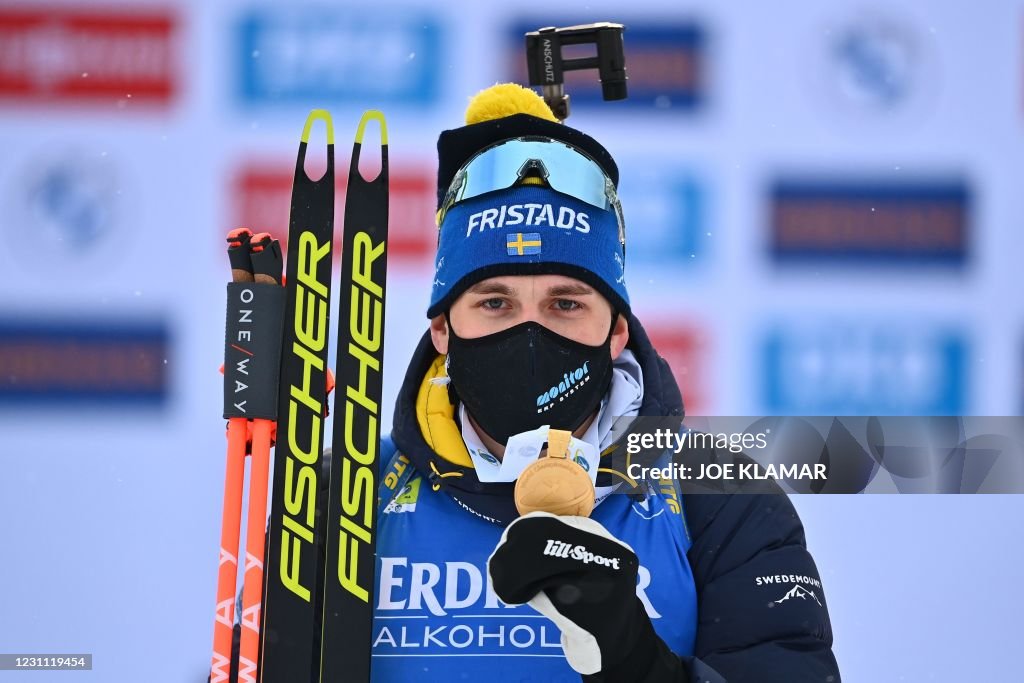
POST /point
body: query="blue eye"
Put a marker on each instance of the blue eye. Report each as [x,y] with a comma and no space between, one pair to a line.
[567,305]
[492,304]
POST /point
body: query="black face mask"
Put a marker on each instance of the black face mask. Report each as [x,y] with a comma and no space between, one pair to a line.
[528,376]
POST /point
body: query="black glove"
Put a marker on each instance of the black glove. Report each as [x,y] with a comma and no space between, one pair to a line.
[571,570]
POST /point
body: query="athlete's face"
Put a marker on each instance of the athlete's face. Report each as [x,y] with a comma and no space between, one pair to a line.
[562,304]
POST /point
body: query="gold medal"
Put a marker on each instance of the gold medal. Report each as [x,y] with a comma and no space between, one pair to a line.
[555,483]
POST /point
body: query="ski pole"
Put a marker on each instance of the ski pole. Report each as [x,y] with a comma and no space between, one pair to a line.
[227,575]
[252,352]
[265,255]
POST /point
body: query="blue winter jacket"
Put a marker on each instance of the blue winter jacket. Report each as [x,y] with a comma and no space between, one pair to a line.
[726,579]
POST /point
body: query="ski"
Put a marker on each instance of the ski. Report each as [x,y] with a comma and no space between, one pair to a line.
[309,611]
[350,530]
[289,635]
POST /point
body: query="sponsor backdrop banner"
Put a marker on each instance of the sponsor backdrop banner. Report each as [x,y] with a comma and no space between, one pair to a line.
[823,218]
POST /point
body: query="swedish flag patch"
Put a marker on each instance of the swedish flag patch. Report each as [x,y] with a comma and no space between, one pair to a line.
[522,243]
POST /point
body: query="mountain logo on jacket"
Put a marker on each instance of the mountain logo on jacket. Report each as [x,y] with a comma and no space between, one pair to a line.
[799,591]
[405,501]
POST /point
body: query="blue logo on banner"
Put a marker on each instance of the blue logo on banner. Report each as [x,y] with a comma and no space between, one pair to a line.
[877,63]
[666,64]
[72,208]
[665,212]
[65,199]
[329,56]
[97,364]
[852,222]
[853,369]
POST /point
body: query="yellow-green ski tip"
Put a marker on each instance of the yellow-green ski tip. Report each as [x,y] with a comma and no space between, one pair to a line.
[372,115]
[322,115]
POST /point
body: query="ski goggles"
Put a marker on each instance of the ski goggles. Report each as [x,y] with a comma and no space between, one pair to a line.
[561,167]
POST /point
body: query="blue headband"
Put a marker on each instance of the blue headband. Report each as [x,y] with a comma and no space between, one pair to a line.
[527,230]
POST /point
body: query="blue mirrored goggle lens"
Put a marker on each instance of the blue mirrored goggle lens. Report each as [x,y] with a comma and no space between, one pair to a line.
[563,168]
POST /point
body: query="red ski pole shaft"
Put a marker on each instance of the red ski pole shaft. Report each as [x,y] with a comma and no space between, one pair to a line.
[266,258]
[227,575]
[252,591]
[231,516]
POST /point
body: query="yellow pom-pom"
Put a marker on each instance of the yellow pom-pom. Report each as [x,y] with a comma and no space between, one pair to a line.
[506,99]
